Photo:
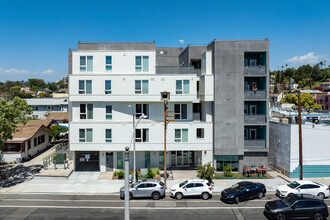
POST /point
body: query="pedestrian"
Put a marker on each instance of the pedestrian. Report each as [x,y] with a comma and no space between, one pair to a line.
[136,175]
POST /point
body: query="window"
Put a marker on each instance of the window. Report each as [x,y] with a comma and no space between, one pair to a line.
[108,63]
[141,86]
[141,186]
[86,111]
[227,160]
[29,144]
[181,135]
[141,64]
[150,185]
[35,143]
[141,109]
[120,160]
[190,185]
[200,132]
[245,134]
[107,87]
[108,112]
[180,111]
[86,135]
[86,63]
[142,135]
[36,108]
[182,89]
[85,86]
[108,136]
[199,185]
[41,139]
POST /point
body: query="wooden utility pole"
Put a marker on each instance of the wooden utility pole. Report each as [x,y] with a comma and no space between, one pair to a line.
[166,121]
[300,139]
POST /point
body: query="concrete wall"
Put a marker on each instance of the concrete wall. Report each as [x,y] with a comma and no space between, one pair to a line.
[168,56]
[280,145]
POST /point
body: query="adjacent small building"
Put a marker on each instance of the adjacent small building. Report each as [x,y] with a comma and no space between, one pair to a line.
[27,141]
[43,106]
[323,100]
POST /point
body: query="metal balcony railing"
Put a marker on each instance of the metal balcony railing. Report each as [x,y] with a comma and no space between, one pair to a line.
[177,70]
[255,70]
[255,119]
[259,94]
[255,144]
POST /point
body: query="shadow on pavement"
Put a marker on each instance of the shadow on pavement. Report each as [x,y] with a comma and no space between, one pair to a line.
[18,174]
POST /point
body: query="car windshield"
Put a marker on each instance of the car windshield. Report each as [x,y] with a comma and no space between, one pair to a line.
[288,201]
[293,185]
[183,183]
[134,185]
[238,187]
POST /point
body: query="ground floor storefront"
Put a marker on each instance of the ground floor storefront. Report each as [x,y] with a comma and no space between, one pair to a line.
[108,161]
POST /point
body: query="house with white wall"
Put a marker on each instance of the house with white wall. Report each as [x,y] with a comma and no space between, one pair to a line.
[43,106]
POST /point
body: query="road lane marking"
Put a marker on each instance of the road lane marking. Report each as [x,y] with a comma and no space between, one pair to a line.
[238,214]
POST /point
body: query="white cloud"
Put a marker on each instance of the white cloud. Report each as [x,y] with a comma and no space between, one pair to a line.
[310,58]
[25,72]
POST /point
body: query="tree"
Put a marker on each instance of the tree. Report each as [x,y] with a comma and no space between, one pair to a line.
[206,172]
[12,113]
[307,100]
[56,130]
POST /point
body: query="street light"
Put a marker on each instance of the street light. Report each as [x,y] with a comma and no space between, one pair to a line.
[165,96]
[133,139]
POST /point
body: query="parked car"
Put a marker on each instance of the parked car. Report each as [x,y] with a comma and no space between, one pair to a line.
[154,189]
[193,187]
[303,187]
[243,191]
[297,207]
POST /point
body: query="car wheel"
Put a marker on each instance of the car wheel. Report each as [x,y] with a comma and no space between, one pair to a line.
[321,195]
[205,195]
[260,195]
[318,216]
[237,200]
[281,217]
[290,194]
[155,195]
[178,196]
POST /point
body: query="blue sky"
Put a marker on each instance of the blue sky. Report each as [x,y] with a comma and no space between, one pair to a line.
[35,35]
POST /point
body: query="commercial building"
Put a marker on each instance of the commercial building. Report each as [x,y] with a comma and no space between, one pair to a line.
[43,106]
[218,96]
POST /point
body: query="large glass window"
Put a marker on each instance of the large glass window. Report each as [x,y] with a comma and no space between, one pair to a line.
[86,63]
[107,87]
[85,87]
[161,158]
[108,112]
[141,86]
[182,86]
[120,160]
[200,132]
[86,135]
[108,63]
[86,111]
[147,159]
[141,109]
[181,135]
[142,64]
[227,160]
[142,135]
[180,111]
[108,135]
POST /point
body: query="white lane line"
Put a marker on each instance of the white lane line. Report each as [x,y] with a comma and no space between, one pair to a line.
[238,214]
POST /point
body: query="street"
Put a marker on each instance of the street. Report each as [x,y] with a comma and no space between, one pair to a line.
[48,206]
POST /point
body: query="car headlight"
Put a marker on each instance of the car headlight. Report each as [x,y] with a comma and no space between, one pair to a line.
[230,196]
[173,190]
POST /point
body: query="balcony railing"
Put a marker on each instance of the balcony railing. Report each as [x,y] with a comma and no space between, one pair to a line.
[177,70]
[255,70]
[255,144]
[255,119]
[259,94]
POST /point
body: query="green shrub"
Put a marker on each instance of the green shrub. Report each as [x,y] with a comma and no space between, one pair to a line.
[155,170]
[227,171]
[150,174]
[206,172]
[119,173]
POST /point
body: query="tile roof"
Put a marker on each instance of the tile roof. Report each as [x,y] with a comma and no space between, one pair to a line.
[58,116]
[27,131]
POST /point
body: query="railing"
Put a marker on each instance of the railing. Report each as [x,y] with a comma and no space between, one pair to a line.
[259,94]
[255,144]
[177,70]
[255,70]
[255,119]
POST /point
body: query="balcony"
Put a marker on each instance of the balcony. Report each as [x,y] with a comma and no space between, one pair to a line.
[177,70]
[259,94]
[255,119]
[255,144]
[255,70]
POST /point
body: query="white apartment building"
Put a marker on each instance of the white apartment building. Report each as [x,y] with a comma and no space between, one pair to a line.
[105,78]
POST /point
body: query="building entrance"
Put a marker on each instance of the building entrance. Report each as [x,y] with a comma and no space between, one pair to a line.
[182,158]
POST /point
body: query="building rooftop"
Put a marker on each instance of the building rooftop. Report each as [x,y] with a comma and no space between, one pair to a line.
[47,101]
[58,116]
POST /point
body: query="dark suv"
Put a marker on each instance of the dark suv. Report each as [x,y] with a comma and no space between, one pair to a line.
[297,207]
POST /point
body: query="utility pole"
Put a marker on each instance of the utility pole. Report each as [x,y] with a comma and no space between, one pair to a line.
[127,215]
[300,139]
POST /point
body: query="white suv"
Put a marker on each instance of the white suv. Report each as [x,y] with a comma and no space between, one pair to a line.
[303,187]
[193,187]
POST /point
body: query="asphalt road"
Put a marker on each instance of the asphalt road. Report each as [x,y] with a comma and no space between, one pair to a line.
[45,206]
